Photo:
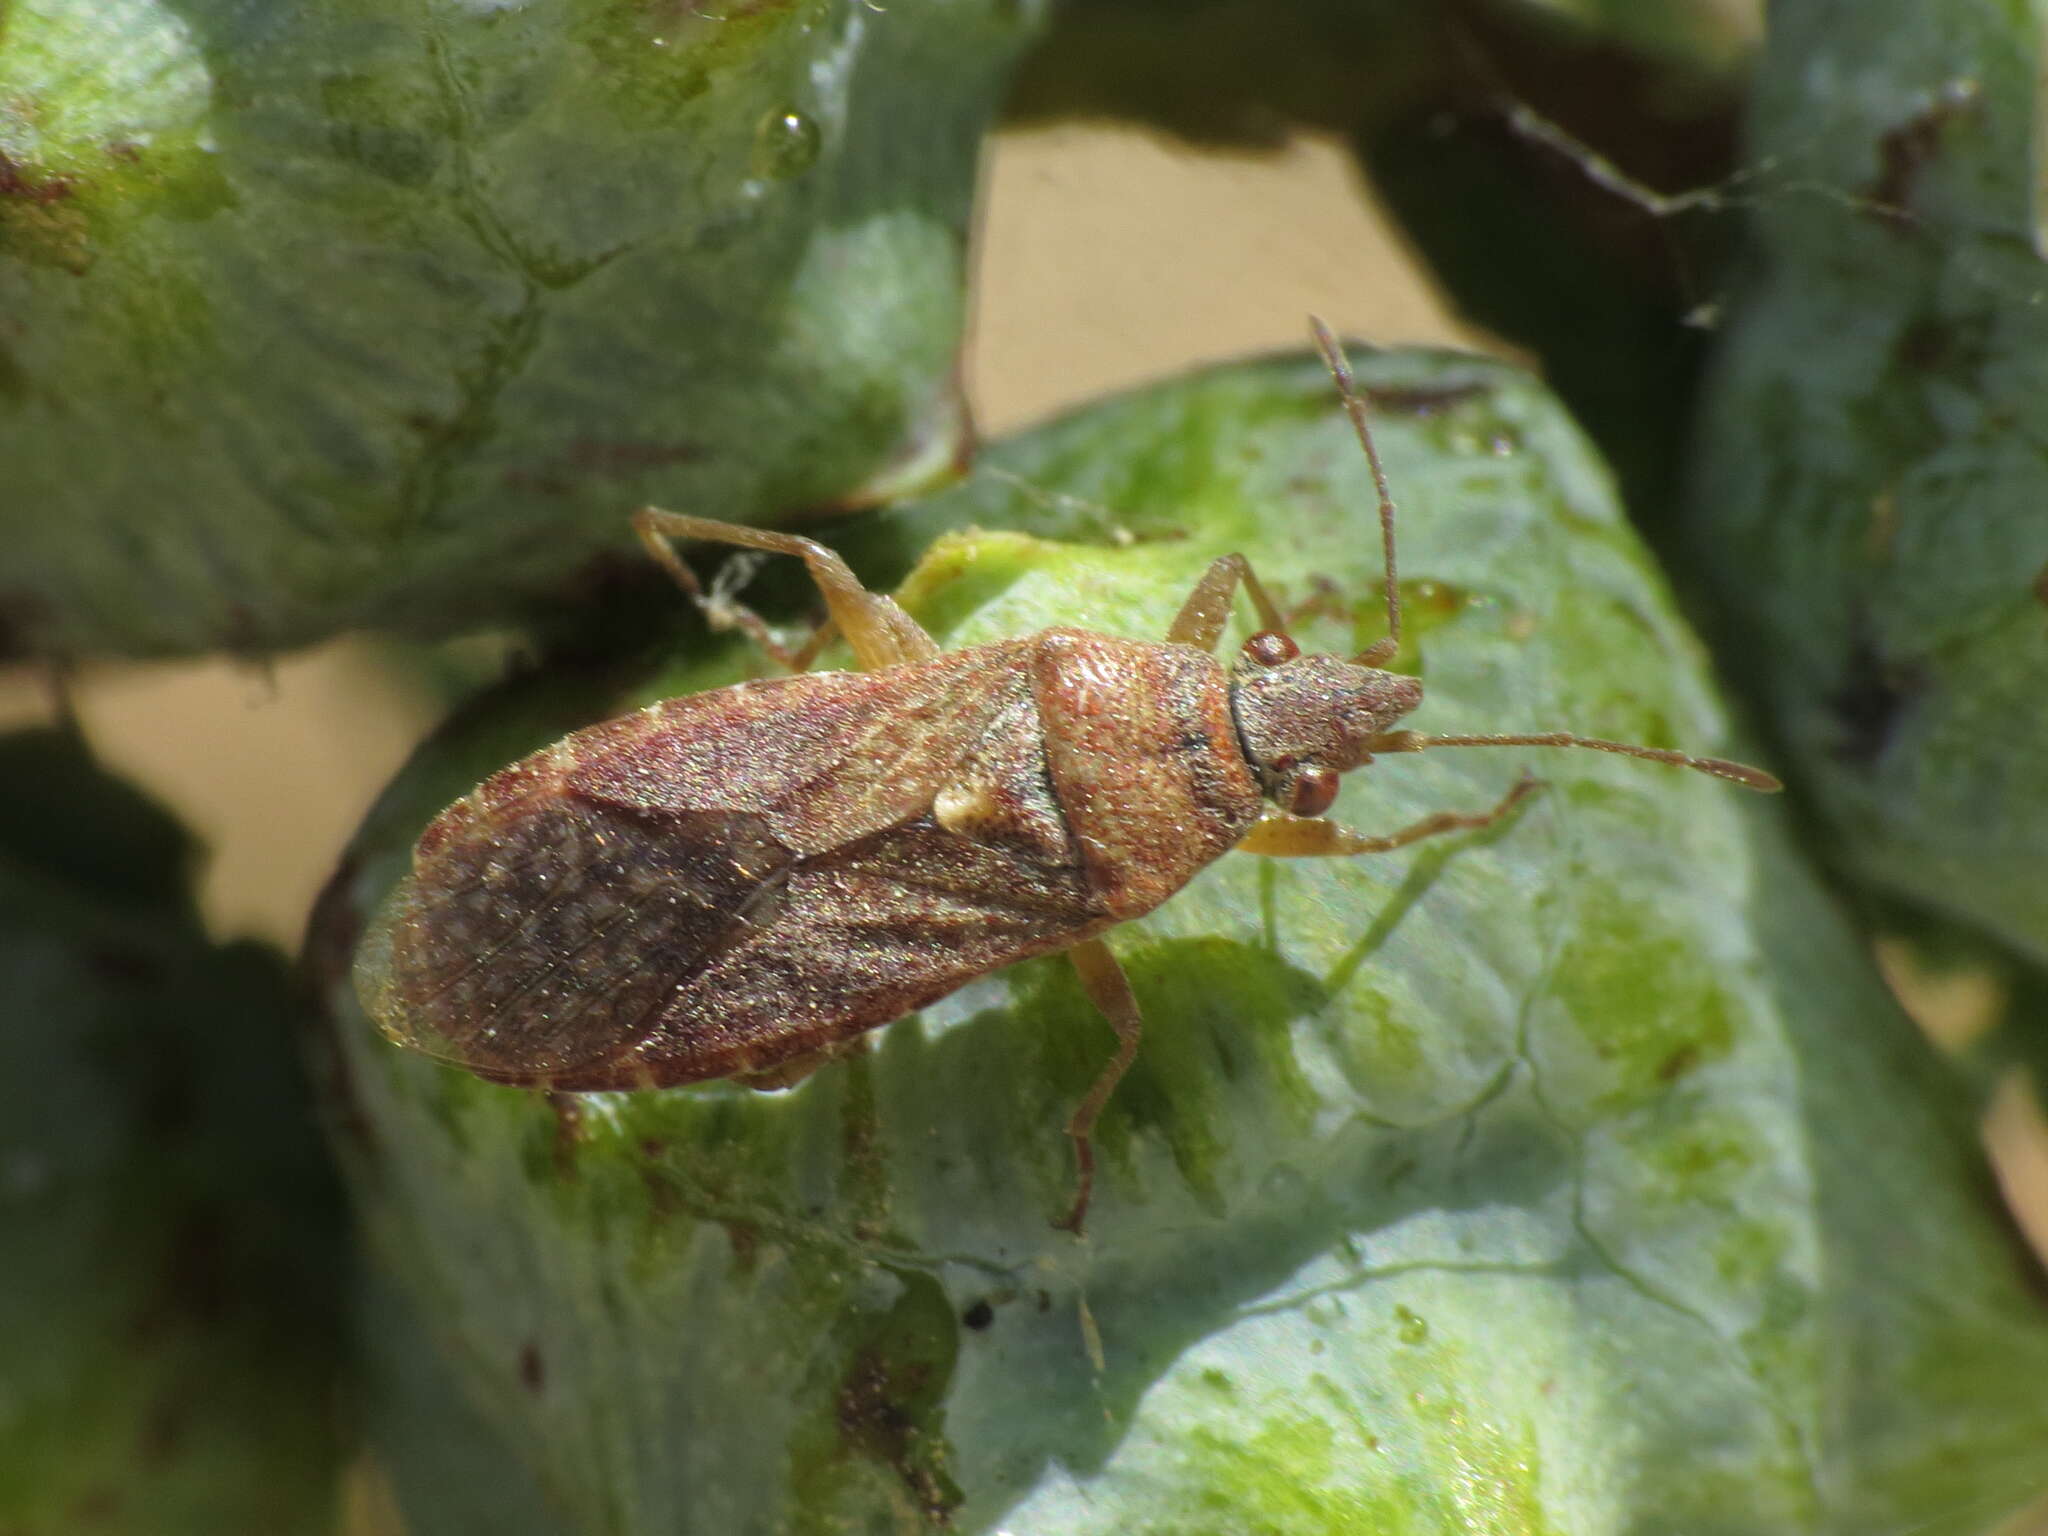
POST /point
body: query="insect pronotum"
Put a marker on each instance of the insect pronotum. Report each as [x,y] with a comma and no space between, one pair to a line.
[736,883]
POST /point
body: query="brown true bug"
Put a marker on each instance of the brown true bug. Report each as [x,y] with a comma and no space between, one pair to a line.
[736,883]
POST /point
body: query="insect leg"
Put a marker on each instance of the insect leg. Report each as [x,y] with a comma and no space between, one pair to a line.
[722,610]
[881,634]
[1110,990]
[786,1074]
[1207,610]
[1310,837]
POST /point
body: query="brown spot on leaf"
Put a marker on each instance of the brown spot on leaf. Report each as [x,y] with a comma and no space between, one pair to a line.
[745,1238]
[17,181]
[2041,586]
[1906,150]
[979,1316]
[1874,694]
[600,456]
[532,1372]
[43,225]
[547,482]
[1678,1063]
[663,1198]
[875,1420]
[568,1108]
[1926,344]
[194,1286]
[587,458]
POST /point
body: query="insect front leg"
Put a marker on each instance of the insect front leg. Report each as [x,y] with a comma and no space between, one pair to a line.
[1307,837]
[1207,609]
[1103,979]
[881,634]
[722,610]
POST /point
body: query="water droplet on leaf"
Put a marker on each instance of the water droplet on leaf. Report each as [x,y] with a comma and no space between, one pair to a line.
[785,144]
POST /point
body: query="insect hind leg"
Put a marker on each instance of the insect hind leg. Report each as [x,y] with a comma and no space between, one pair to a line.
[1103,979]
[881,634]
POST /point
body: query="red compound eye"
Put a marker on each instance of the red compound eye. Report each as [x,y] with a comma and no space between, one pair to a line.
[1313,792]
[1269,648]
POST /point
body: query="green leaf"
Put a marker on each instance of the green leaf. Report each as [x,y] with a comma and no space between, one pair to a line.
[379,311]
[1571,1176]
[1867,490]
[171,1230]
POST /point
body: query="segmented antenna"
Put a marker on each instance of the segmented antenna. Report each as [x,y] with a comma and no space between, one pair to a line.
[1354,407]
[1719,767]
[1382,650]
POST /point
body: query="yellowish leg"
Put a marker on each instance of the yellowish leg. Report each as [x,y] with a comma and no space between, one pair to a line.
[1110,990]
[1310,837]
[1207,610]
[881,634]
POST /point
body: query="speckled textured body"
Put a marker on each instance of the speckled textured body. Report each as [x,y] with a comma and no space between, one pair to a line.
[727,881]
